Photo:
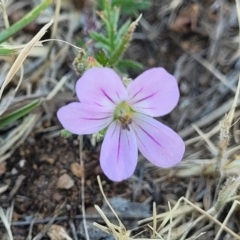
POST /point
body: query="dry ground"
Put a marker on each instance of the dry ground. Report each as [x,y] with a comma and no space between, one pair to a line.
[197,41]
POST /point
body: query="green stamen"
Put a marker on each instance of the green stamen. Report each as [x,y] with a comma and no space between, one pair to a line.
[122,109]
[123,114]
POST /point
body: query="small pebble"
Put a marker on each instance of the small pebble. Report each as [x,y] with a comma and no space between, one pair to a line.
[77,170]
[57,197]
[65,182]
[14,171]
[57,232]
[22,163]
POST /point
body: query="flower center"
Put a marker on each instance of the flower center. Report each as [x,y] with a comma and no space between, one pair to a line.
[123,114]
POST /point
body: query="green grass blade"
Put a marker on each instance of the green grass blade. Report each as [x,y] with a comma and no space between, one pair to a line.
[6,51]
[5,34]
[11,117]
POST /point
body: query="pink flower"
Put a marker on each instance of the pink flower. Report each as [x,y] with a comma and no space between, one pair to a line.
[127,113]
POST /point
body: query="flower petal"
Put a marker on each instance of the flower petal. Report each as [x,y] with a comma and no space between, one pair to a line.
[118,156]
[102,87]
[80,118]
[157,142]
[155,92]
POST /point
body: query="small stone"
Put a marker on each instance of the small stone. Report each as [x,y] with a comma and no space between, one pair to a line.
[35,167]
[57,232]
[47,159]
[50,160]
[77,170]
[22,163]
[65,182]
[14,171]
[40,227]
[57,197]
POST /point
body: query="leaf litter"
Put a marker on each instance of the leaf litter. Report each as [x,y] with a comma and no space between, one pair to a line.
[197,199]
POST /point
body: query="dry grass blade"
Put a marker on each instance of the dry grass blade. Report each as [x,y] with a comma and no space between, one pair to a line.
[83,187]
[45,229]
[5,16]
[119,232]
[20,47]
[214,71]
[206,120]
[206,139]
[173,6]
[238,15]
[55,25]
[57,88]
[235,203]
[185,209]
[17,136]
[228,191]
[225,135]
[22,56]
[6,223]
[6,102]
[101,189]
[4,188]
[209,216]
[154,220]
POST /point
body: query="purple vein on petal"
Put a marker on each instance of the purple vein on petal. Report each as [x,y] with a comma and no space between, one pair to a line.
[147,107]
[96,118]
[140,139]
[102,125]
[104,93]
[114,130]
[99,104]
[149,135]
[136,93]
[118,95]
[142,99]
[146,122]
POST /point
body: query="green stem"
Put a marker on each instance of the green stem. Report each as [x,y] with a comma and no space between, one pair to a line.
[5,34]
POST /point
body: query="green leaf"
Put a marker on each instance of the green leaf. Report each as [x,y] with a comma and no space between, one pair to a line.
[100,4]
[65,133]
[122,30]
[99,38]
[102,58]
[123,44]
[5,34]
[110,31]
[115,18]
[11,117]
[108,26]
[124,65]
[132,7]
[103,46]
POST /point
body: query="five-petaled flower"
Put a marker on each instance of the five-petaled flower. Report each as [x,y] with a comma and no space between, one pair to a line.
[127,114]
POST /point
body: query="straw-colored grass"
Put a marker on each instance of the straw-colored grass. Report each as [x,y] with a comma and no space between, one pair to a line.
[209,174]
